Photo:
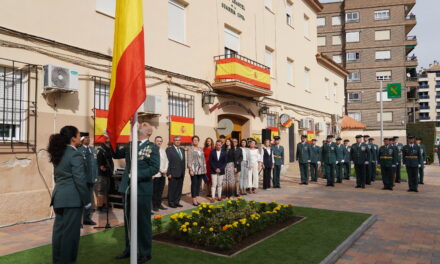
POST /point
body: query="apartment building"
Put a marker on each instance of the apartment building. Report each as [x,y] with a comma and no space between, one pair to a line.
[371,40]
[213,67]
[429,95]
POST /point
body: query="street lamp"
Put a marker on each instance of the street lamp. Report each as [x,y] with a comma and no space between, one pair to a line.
[208,98]
[264,110]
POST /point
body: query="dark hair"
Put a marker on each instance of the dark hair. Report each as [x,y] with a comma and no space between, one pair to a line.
[218,140]
[192,139]
[241,141]
[222,136]
[58,143]
[157,137]
[206,143]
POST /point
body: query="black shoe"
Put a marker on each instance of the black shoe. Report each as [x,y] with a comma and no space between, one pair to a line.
[155,209]
[161,207]
[124,255]
[88,222]
[210,196]
[397,181]
[339,182]
[172,206]
[369,183]
[143,259]
[179,205]
[415,190]
[421,183]
[195,204]
[357,186]
[409,190]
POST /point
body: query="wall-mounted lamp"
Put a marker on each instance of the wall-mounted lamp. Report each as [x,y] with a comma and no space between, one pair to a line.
[208,98]
[264,110]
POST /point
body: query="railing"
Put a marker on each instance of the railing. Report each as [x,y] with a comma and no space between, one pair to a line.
[423,96]
[424,118]
[412,58]
[425,107]
[423,86]
[437,74]
[411,17]
[243,58]
[423,75]
[411,37]
[437,86]
[412,79]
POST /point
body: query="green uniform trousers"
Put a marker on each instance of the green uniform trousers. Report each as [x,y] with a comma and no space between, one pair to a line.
[412,177]
[346,166]
[314,171]
[330,173]
[339,168]
[421,174]
[368,173]
[276,176]
[373,171]
[87,212]
[144,225]
[360,170]
[66,233]
[398,172]
[304,170]
[387,177]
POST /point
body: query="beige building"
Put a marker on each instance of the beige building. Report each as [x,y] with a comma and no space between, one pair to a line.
[429,95]
[371,40]
[276,69]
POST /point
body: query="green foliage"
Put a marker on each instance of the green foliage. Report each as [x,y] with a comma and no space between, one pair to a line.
[426,131]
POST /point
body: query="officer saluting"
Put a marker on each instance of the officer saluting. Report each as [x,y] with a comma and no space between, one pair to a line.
[278,155]
[387,158]
[412,159]
[328,157]
[360,157]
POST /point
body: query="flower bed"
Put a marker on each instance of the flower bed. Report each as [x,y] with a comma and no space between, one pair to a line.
[223,226]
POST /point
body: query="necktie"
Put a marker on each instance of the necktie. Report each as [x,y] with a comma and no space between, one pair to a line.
[180,153]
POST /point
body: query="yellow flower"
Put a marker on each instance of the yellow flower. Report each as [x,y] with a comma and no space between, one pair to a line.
[229,202]
[209,211]
[195,224]
[211,206]
[186,223]
[235,224]
[202,227]
[189,217]
[185,230]
[248,225]
[239,197]
[211,229]
[262,202]
[274,202]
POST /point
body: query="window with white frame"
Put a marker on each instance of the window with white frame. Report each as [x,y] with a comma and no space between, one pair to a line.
[327,88]
[321,41]
[337,58]
[289,69]
[386,117]
[353,56]
[383,55]
[352,17]
[107,7]
[383,75]
[306,26]
[289,7]
[181,105]
[336,20]
[336,40]
[382,34]
[355,115]
[232,42]
[382,14]
[384,97]
[268,60]
[307,79]
[271,120]
[320,21]
[268,4]
[354,97]
[102,93]
[354,77]
[176,21]
[352,36]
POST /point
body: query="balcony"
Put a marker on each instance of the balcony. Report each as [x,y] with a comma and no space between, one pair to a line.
[410,43]
[411,61]
[410,22]
[424,117]
[423,96]
[242,76]
[412,82]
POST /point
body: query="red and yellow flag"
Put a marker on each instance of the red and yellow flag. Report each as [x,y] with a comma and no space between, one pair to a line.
[127,86]
[275,132]
[101,128]
[237,69]
[183,127]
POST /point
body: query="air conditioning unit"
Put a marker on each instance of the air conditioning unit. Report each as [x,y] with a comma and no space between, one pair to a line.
[152,105]
[61,79]
[304,124]
[319,127]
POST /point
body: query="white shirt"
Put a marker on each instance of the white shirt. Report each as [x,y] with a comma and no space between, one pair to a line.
[218,154]
[269,151]
[163,163]
[143,141]
[243,150]
[254,156]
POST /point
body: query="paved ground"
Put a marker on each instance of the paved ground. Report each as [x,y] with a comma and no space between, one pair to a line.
[407,230]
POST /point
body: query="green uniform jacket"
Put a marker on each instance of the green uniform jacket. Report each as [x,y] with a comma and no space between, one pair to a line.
[347,157]
[360,153]
[387,156]
[91,163]
[423,152]
[303,152]
[315,154]
[148,166]
[328,153]
[278,154]
[340,152]
[412,156]
[399,147]
[374,152]
[70,181]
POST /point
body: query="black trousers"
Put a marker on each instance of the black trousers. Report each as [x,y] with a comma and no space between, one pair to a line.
[368,173]
[144,235]
[66,233]
[413,181]
[421,173]
[87,212]
[398,172]
[266,177]
[196,181]
[373,171]
[330,173]
[158,186]
[175,186]
[360,170]
[346,169]
[314,171]
[339,168]
[387,177]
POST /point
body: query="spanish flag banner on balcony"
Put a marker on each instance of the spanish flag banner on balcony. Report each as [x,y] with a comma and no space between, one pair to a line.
[101,128]
[275,132]
[237,69]
[127,86]
[183,127]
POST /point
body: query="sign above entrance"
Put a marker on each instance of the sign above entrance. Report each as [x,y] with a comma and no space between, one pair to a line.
[232,5]
[231,103]
[285,120]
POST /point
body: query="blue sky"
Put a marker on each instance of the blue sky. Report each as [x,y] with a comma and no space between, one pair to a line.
[427,31]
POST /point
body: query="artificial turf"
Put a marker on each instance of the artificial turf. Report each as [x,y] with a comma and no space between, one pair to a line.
[309,241]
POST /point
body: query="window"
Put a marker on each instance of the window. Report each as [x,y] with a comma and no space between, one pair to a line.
[307,79]
[181,105]
[232,42]
[306,26]
[382,34]
[289,71]
[321,41]
[268,60]
[102,93]
[336,40]
[289,12]
[386,117]
[383,75]
[352,17]
[353,56]
[176,21]
[354,77]
[382,14]
[383,55]
[355,115]
[268,4]
[271,120]
[352,36]
[107,7]
[354,97]
[327,88]
[337,58]
[384,97]
[320,21]
[336,20]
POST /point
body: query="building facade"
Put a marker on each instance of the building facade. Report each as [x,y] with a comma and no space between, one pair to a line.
[429,96]
[247,65]
[370,39]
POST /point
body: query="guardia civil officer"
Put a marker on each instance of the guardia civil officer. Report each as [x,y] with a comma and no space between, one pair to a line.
[387,158]
[315,160]
[423,152]
[328,157]
[340,154]
[412,159]
[70,195]
[303,157]
[360,157]
[373,152]
[278,155]
[370,160]
[347,160]
[399,147]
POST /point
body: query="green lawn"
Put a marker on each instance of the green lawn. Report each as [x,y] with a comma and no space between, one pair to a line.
[403,174]
[307,242]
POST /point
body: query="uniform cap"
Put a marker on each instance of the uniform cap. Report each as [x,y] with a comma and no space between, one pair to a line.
[411,137]
[276,138]
[330,136]
[338,138]
[359,136]
[346,140]
[366,136]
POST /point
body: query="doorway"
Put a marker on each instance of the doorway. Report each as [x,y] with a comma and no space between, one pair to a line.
[292,143]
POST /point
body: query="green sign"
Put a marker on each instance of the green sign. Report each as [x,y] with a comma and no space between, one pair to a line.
[394,90]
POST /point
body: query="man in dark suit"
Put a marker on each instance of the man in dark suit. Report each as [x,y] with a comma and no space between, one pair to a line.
[347,160]
[238,158]
[218,160]
[176,172]
[267,160]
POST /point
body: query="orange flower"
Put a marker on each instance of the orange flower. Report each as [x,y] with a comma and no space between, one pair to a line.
[225,227]
[158,217]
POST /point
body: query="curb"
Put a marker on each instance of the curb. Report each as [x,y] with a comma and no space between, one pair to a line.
[340,250]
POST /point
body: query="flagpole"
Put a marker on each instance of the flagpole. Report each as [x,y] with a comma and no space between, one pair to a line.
[133,190]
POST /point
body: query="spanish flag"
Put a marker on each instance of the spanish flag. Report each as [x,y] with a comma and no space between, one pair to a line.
[275,132]
[101,128]
[127,86]
[183,127]
[237,69]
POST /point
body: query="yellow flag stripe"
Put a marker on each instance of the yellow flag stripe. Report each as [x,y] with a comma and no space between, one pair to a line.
[182,129]
[240,69]
[101,126]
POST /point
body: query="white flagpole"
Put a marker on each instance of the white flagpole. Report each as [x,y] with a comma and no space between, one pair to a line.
[133,190]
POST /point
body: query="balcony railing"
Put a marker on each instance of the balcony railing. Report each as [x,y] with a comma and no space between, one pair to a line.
[425,107]
[411,17]
[437,74]
[411,37]
[424,117]
[437,86]
[412,58]
[423,86]
[423,96]
[412,79]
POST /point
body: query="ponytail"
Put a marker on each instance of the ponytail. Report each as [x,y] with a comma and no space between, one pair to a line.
[58,143]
